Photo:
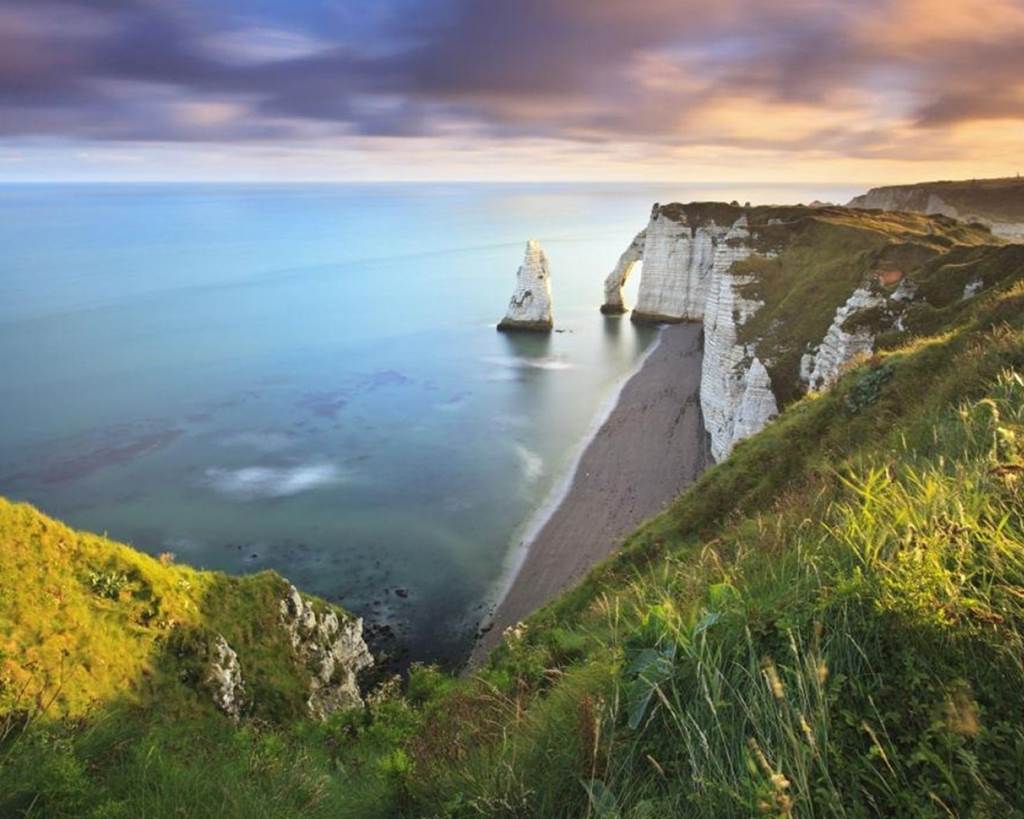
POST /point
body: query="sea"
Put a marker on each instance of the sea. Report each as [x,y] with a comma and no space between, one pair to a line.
[307,378]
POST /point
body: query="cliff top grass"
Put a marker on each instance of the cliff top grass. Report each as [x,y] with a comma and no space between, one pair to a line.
[807,261]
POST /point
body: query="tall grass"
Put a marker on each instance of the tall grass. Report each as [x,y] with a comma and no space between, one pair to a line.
[892,688]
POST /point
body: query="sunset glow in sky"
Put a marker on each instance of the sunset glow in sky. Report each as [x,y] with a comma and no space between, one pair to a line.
[866,91]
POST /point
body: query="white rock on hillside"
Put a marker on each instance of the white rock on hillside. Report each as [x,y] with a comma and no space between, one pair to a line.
[530,306]
[823,367]
[613,303]
[224,677]
[973,287]
[331,649]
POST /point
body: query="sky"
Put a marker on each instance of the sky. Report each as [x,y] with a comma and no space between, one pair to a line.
[869,91]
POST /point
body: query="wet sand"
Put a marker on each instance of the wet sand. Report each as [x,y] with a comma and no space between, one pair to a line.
[651,447]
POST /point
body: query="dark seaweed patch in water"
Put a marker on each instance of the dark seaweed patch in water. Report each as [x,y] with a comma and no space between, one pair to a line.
[64,470]
[330,403]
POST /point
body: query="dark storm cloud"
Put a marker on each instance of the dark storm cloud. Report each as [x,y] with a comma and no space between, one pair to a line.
[581,69]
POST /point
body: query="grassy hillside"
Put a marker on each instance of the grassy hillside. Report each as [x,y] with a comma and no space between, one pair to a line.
[102,646]
[84,620]
[829,623]
[811,260]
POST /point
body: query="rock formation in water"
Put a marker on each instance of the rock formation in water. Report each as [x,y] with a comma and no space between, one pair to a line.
[996,203]
[332,650]
[530,306]
[613,303]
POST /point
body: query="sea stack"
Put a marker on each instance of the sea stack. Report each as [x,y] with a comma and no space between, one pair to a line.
[530,306]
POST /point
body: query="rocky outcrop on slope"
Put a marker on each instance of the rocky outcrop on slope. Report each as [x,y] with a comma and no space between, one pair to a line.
[613,303]
[530,305]
[224,677]
[331,649]
[996,203]
[841,344]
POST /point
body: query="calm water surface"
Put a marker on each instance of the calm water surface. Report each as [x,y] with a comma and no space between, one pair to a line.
[307,378]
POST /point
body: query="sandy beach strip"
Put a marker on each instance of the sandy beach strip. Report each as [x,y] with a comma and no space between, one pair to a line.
[649,449]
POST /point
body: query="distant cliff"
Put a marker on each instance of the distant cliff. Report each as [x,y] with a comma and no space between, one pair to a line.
[787,295]
[996,203]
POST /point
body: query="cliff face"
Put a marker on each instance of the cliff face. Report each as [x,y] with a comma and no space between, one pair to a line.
[735,391]
[995,203]
[688,252]
[530,305]
[786,295]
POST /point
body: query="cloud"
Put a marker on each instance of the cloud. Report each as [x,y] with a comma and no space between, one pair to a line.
[849,77]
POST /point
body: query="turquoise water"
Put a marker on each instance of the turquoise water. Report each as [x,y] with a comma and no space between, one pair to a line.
[307,378]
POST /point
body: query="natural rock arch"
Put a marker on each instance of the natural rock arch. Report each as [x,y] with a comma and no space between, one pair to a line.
[613,303]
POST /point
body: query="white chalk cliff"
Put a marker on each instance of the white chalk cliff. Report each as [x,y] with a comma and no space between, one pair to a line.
[687,276]
[679,263]
[530,305]
[690,271]
[735,391]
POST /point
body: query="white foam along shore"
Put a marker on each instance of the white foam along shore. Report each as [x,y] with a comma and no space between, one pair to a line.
[527,533]
[645,446]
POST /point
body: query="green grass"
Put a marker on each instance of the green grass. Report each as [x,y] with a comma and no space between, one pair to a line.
[828,623]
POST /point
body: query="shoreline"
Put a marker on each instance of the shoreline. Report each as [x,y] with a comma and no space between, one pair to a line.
[539,518]
[645,445]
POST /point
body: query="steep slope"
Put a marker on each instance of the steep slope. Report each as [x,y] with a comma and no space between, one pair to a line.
[995,203]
